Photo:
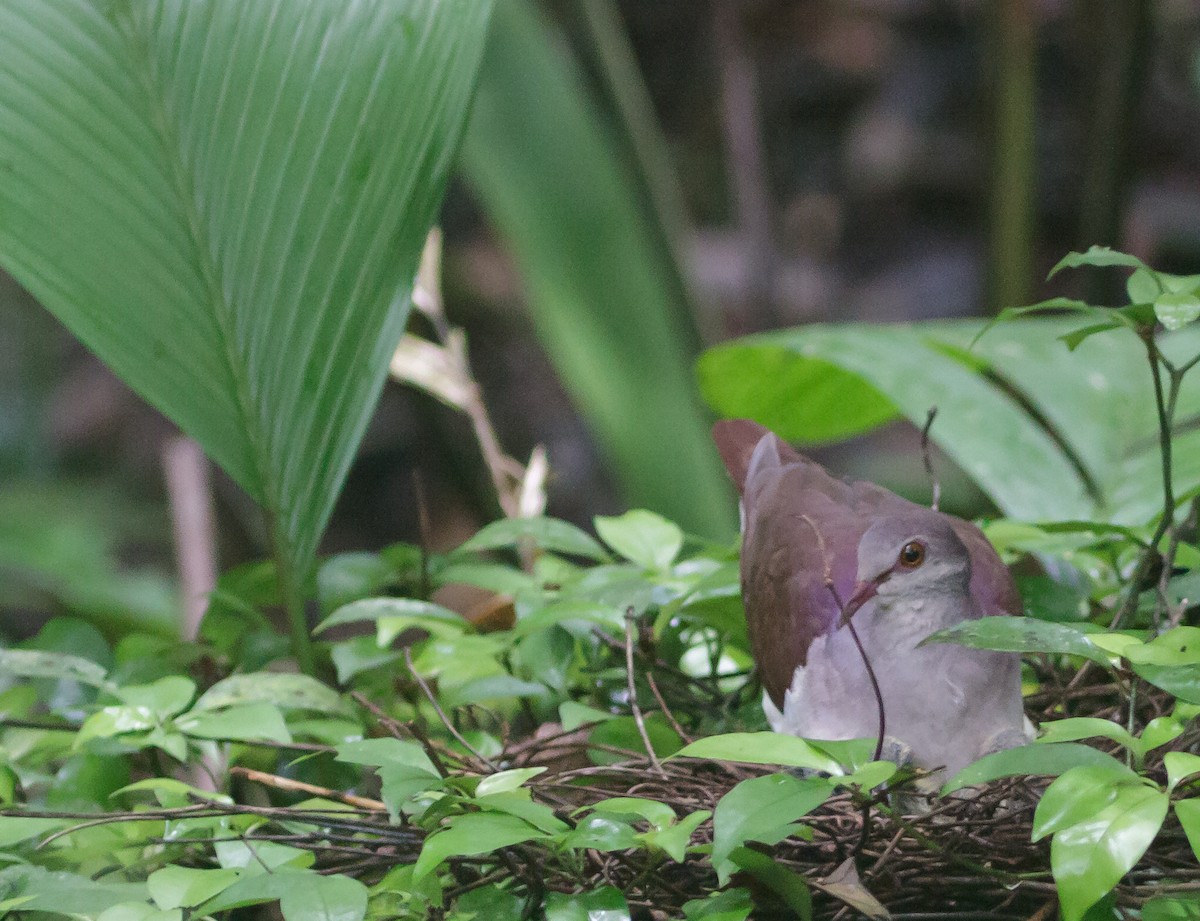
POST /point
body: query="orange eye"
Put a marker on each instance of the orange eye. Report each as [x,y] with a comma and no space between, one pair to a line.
[912,554]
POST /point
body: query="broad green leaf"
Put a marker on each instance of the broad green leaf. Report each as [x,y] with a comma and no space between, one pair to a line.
[64,893]
[348,577]
[386,752]
[302,895]
[286,691]
[763,809]
[255,857]
[184,887]
[1091,857]
[603,904]
[606,297]
[1091,427]
[546,533]
[902,366]
[32,663]
[1020,634]
[762,748]
[495,578]
[1043,760]
[1079,794]
[471,834]
[642,537]
[242,259]
[246,722]
[1085,727]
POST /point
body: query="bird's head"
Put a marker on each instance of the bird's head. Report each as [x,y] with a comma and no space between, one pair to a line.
[914,555]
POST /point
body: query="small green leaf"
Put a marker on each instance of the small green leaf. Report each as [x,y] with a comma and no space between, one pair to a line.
[165,697]
[1188,813]
[286,691]
[1020,634]
[1079,794]
[621,732]
[1085,727]
[1098,256]
[1044,760]
[870,775]
[386,753]
[1177,310]
[1077,337]
[1143,286]
[1180,766]
[504,580]
[471,834]
[601,832]
[400,613]
[505,781]
[572,715]
[1089,858]
[728,905]
[547,533]
[642,537]
[674,839]
[183,887]
[1172,908]
[603,904]
[762,748]
[490,688]
[1180,646]
[763,809]
[659,815]
[31,663]
[783,882]
[1158,732]
[1183,681]
[244,722]
[519,803]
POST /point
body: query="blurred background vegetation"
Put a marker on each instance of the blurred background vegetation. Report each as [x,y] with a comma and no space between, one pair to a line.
[639,181]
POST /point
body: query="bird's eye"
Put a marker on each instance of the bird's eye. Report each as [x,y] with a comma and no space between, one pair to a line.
[912,554]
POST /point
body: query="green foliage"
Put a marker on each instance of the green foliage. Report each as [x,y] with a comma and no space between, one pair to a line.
[604,289]
[242,259]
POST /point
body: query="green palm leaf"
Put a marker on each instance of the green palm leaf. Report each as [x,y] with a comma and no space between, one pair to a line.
[226,201]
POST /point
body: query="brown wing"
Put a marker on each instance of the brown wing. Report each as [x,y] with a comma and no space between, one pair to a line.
[801,527]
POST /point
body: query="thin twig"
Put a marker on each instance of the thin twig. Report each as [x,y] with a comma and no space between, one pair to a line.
[437,708]
[299,786]
[633,701]
[927,457]
[666,711]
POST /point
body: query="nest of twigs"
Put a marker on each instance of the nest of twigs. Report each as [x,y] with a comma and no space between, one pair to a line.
[962,857]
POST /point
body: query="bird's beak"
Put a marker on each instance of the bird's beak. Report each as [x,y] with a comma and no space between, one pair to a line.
[863,592]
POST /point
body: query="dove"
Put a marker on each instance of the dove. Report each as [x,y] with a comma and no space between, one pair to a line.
[819,552]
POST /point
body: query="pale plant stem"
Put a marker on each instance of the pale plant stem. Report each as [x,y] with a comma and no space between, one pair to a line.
[633,701]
